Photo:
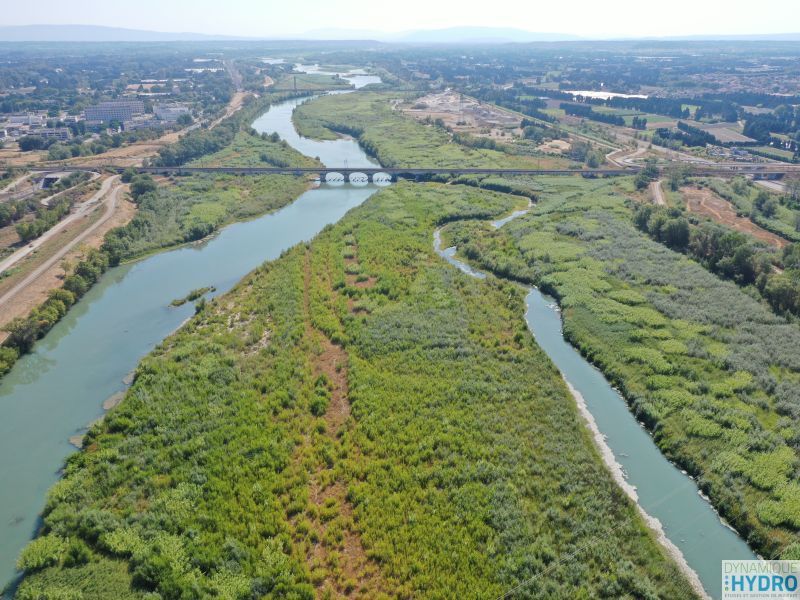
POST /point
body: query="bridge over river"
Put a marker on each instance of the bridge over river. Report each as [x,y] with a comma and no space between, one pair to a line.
[361,174]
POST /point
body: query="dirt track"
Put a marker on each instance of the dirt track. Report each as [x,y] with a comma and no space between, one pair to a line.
[703,201]
[33,290]
[237,101]
[657,193]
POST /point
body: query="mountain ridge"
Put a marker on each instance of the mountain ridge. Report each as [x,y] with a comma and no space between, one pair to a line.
[449,35]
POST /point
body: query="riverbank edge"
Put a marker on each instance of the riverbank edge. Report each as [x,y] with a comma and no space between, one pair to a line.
[133,260]
[615,469]
[11,353]
[606,454]
[728,520]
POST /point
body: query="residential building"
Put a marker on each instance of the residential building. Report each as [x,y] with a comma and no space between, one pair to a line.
[142,122]
[26,119]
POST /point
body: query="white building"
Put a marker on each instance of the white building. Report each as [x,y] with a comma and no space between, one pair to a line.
[26,119]
[170,112]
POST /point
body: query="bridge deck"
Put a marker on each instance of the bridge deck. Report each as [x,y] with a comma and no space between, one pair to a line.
[745,169]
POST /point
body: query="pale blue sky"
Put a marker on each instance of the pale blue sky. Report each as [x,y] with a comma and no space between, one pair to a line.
[262,18]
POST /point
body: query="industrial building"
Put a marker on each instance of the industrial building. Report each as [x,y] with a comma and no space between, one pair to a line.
[170,112]
[59,133]
[115,110]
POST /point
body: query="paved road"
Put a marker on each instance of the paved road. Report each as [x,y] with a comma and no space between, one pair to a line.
[46,201]
[111,205]
[624,157]
[82,210]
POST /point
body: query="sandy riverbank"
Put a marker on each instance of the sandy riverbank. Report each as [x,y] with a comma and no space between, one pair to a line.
[616,472]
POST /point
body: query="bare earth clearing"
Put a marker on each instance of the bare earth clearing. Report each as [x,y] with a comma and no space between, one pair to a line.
[129,156]
[464,114]
[705,202]
[657,193]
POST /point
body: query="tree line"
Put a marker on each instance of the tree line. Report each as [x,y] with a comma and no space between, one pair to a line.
[202,142]
[587,112]
[730,254]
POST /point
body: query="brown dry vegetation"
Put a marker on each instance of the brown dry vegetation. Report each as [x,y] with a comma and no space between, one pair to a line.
[705,202]
[36,293]
[12,157]
[336,556]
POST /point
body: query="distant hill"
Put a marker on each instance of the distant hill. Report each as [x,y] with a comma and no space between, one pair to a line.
[480,35]
[450,35]
[96,33]
[763,37]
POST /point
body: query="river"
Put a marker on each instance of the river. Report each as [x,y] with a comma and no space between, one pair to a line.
[54,392]
[662,491]
[358,78]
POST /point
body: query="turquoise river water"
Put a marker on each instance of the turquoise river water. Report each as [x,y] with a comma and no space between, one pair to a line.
[663,491]
[53,393]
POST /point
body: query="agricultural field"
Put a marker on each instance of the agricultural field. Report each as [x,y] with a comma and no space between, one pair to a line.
[396,140]
[700,360]
[727,133]
[356,418]
[653,120]
[776,153]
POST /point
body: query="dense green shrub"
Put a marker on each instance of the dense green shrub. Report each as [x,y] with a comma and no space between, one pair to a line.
[463,468]
[703,362]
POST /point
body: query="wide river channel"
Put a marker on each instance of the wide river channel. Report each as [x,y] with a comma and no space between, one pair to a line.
[53,393]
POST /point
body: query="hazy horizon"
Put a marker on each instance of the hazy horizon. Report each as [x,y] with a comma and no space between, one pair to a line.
[249,18]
